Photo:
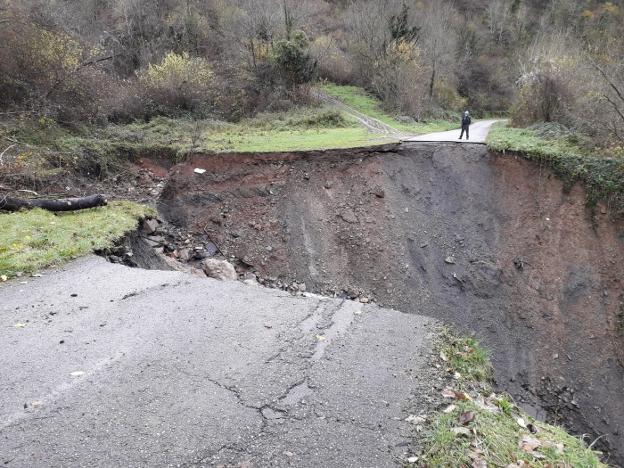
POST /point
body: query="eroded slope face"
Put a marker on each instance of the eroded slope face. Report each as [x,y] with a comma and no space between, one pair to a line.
[491,243]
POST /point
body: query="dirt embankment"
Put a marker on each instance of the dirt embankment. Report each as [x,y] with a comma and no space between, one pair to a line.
[491,243]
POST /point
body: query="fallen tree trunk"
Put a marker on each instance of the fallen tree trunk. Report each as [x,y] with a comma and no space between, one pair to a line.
[65,204]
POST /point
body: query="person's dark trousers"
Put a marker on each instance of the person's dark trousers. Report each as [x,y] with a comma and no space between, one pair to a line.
[465,128]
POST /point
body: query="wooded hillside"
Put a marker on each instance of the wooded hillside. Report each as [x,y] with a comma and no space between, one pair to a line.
[119,60]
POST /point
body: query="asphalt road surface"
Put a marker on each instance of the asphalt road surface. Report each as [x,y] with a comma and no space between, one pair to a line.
[103,365]
[478,133]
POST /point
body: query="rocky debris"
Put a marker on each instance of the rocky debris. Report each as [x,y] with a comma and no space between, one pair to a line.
[149,226]
[379,192]
[219,269]
[450,260]
[348,216]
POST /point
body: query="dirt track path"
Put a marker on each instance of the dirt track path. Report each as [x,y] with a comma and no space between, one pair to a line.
[370,123]
[478,130]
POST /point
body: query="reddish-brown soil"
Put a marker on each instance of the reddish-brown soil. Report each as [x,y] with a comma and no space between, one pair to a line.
[491,243]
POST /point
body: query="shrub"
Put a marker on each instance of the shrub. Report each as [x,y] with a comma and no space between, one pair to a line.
[292,61]
[542,96]
[178,83]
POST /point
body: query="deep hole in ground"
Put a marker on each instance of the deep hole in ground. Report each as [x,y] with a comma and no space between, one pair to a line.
[494,244]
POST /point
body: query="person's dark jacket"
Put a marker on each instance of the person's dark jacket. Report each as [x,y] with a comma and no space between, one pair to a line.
[466,121]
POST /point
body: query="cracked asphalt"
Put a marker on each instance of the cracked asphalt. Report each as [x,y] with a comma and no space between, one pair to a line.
[105,365]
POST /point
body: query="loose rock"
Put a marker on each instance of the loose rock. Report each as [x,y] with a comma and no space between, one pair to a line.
[219,269]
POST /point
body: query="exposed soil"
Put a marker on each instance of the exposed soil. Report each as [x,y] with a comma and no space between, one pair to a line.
[490,243]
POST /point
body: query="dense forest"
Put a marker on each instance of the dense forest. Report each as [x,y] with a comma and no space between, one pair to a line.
[104,61]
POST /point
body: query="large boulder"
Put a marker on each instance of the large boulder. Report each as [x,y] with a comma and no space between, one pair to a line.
[219,269]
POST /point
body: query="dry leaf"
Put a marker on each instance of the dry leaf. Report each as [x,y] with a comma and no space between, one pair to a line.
[320,337]
[20,325]
[529,444]
[462,431]
[77,373]
[449,409]
[450,393]
[521,423]
[415,419]
[466,418]
[443,357]
[4,278]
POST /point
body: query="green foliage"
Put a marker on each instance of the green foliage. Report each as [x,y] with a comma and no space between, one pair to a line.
[602,176]
[400,29]
[292,60]
[35,239]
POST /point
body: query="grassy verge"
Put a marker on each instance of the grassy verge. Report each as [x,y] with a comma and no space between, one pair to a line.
[305,129]
[31,240]
[45,148]
[479,428]
[363,102]
[603,176]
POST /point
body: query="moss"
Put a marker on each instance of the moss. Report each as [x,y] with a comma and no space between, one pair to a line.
[602,176]
[31,240]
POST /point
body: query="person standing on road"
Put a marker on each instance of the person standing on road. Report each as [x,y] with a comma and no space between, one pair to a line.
[466,121]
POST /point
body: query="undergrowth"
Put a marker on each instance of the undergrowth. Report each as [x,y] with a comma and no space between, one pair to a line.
[479,428]
[602,175]
[34,239]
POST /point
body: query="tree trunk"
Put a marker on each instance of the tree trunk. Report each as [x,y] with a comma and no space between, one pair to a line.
[66,204]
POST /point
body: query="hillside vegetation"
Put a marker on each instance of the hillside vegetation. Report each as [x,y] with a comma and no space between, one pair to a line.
[100,61]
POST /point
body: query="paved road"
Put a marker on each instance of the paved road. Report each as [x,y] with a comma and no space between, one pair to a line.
[109,366]
[478,133]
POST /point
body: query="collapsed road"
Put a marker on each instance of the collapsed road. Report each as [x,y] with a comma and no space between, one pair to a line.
[113,366]
[495,244]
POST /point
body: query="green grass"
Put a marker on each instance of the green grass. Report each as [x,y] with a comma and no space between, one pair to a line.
[31,240]
[465,356]
[293,131]
[498,426]
[365,103]
[495,437]
[97,151]
[602,176]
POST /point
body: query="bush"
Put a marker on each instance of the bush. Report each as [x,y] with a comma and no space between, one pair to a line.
[178,83]
[292,61]
[542,96]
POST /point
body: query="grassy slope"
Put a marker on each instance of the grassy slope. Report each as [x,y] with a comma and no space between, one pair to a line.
[31,240]
[496,433]
[303,129]
[602,176]
[108,147]
[363,102]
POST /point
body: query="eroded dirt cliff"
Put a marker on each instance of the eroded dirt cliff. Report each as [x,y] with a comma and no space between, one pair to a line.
[491,243]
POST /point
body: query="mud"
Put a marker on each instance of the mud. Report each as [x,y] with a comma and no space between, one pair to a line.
[491,243]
